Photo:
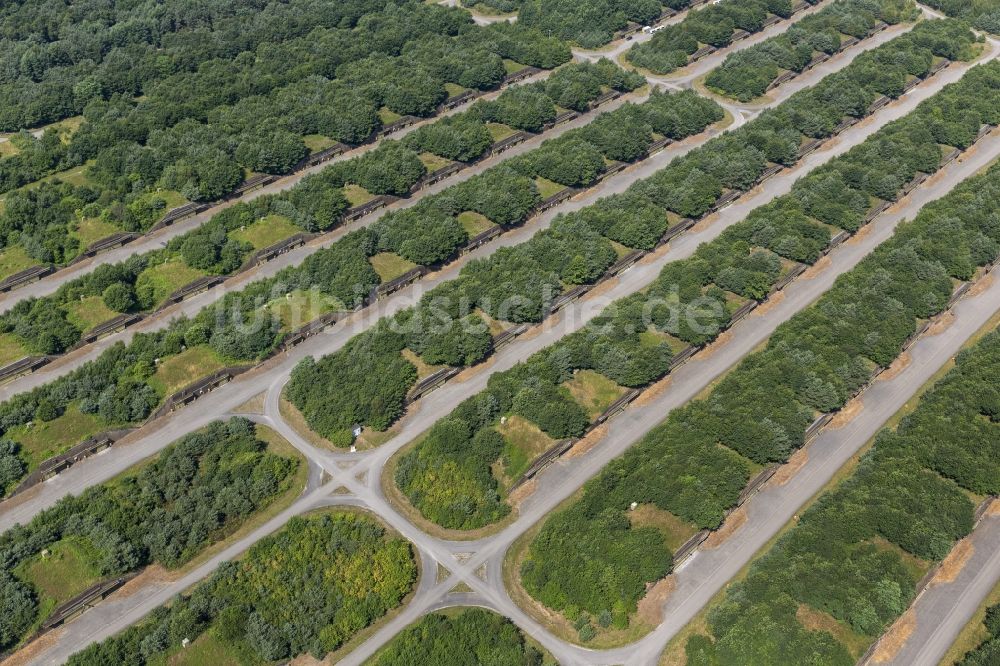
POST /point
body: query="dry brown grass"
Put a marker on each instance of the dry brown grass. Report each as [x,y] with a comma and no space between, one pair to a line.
[941,324]
[895,638]
[32,650]
[847,414]
[768,305]
[154,574]
[787,471]
[522,492]
[994,509]
[587,443]
[650,608]
[815,620]
[721,341]
[653,392]
[866,230]
[704,223]
[817,268]
[953,564]
[674,529]
[733,522]
[902,362]
[603,288]
[981,285]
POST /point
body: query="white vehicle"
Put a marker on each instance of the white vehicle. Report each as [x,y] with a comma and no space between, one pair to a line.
[650,29]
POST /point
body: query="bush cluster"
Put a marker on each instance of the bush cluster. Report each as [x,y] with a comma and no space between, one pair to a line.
[307,589]
[195,492]
[692,301]
[845,556]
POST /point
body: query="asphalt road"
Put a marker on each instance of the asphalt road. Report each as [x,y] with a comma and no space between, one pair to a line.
[478,563]
[944,609]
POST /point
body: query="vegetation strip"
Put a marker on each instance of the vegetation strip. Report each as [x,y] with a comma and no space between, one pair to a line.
[195,493]
[362,68]
[240,237]
[749,73]
[706,30]
[305,590]
[479,635]
[855,559]
[694,468]
[982,14]
[124,385]
[460,474]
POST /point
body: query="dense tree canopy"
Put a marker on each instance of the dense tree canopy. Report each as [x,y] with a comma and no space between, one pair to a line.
[714,25]
[983,14]
[692,301]
[589,23]
[517,284]
[910,491]
[426,235]
[219,98]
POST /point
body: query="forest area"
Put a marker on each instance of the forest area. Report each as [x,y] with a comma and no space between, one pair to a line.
[714,26]
[747,74]
[471,635]
[425,235]
[441,181]
[179,108]
[686,188]
[759,412]
[124,385]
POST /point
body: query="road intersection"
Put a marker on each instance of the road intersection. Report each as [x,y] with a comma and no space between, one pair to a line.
[355,479]
[346,479]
